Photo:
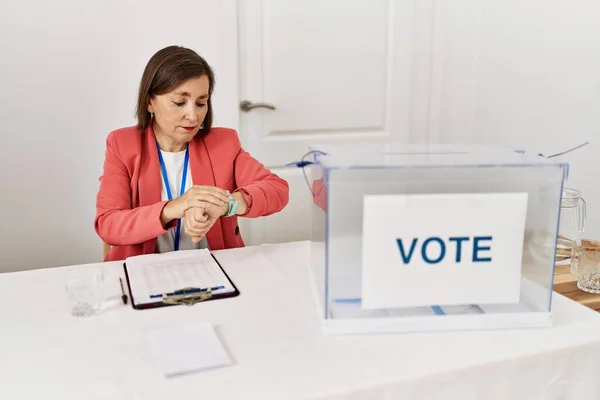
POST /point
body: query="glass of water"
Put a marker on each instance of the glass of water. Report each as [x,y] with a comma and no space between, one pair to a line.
[588,266]
[571,228]
[85,289]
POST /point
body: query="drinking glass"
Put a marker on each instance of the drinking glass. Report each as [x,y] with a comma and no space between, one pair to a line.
[588,266]
[85,289]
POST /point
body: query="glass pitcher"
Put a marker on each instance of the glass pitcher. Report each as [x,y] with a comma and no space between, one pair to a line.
[570,228]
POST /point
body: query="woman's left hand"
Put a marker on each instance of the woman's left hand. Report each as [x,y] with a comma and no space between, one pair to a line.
[198,221]
[215,212]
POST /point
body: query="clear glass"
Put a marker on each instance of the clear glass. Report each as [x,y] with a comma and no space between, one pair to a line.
[85,290]
[588,271]
[571,227]
[340,180]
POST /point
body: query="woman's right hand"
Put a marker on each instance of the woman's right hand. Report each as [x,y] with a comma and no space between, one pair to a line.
[196,196]
[197,223]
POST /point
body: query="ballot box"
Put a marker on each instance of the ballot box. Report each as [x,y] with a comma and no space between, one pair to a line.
[408,238]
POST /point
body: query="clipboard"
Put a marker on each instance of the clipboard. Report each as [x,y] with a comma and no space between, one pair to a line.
[186,298]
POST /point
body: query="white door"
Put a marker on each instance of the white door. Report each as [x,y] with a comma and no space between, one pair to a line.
[313,71]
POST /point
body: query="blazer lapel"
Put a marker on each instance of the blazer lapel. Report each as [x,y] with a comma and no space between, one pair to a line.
[149,182]
[203,174]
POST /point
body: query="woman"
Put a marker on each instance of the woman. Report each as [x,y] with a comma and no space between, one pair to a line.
[173,181]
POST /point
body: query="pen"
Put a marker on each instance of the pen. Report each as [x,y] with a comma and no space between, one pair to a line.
[187,291]
[124,296]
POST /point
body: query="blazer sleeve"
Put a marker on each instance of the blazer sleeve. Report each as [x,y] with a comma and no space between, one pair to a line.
[116,222]
[265,192]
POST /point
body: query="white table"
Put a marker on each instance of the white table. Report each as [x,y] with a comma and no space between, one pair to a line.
[272,332]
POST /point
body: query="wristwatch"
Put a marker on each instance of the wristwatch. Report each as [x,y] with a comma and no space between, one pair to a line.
[233,206]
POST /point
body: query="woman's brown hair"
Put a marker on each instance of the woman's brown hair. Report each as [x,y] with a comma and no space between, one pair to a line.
[167,69]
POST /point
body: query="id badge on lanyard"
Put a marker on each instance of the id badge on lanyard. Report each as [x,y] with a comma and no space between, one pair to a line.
[168,187]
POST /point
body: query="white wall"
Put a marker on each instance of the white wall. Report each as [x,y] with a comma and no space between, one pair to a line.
[69,71]
[522,73]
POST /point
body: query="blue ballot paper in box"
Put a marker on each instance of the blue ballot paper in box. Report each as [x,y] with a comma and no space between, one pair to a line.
[438,237]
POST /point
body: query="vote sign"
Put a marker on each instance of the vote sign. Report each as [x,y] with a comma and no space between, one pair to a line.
[442,249]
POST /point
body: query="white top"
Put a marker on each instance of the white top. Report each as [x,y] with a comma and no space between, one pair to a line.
[273,335]
[174,166]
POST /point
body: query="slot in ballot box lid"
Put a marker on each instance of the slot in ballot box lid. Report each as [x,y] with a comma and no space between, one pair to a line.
[425,155]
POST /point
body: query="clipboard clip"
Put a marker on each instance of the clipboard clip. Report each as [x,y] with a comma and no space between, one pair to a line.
[187,296]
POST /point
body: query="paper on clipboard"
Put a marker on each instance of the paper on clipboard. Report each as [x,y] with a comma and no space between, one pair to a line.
[152,275]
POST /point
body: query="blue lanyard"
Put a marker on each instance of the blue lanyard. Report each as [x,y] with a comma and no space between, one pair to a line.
[168,187]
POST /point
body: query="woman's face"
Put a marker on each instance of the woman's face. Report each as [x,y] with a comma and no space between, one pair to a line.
[180,113]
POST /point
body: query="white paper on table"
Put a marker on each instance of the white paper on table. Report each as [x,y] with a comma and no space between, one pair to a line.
[187,349]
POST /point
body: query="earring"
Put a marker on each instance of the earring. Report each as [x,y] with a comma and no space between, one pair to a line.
[151,115]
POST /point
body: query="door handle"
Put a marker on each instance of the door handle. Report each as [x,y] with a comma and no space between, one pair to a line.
[248,105]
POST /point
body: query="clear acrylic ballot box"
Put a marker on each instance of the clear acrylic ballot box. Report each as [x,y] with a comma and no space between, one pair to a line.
[408,238]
